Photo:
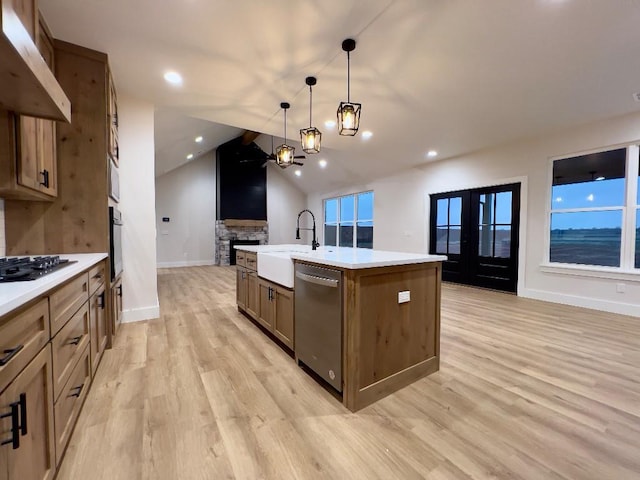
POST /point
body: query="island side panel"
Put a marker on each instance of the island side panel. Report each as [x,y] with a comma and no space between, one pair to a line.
[390,345]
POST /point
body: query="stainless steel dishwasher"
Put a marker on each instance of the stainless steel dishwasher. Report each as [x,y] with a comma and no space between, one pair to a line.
[318,314]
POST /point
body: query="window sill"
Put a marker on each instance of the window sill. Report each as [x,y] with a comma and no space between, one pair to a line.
[589,271]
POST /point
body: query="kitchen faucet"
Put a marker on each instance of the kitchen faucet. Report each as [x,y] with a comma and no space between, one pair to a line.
[314,241]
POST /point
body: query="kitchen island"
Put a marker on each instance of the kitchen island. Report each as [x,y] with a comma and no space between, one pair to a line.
[390,314]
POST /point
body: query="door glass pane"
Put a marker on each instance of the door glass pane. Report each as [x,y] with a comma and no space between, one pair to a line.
[331,210]
[454,240]
[441,240]
[503,208]
[346,234]
[330,233]
[365,206]
[503,241]
[587,181]
[365,234]
[587,238]
[442,210]
[487,216]
[455,211]
[347,209]
[485,241]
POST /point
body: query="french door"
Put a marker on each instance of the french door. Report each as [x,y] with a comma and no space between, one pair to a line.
[478,231]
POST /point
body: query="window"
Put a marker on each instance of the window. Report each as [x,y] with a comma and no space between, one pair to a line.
[449,225]
[594,217]
[348,220]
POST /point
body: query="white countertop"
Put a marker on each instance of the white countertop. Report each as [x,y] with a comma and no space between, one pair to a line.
[15,294]
[344,257]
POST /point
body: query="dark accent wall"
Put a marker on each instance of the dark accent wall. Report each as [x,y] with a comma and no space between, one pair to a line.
[241,181]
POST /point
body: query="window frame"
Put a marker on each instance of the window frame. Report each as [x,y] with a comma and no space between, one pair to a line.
[629,210]
[338,199]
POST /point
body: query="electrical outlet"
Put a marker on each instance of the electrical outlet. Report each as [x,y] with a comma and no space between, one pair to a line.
[404,297]
[621,287]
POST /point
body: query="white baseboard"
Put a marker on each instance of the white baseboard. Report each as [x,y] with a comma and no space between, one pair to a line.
[585,302]
[140,314]
[189,263]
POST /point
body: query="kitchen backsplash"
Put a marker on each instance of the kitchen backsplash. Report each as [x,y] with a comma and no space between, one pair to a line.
[3,249]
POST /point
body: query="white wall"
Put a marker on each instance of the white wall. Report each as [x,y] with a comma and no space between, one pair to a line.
[284,202]
[137,203]
[187,195]
[401,208]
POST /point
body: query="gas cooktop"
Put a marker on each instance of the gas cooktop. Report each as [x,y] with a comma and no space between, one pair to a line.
[22,269]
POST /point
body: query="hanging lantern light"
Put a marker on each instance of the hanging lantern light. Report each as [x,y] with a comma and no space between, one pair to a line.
[284,153]
[348,112]
[310,137]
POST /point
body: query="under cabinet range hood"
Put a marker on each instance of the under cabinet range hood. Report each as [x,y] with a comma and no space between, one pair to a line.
[27,85]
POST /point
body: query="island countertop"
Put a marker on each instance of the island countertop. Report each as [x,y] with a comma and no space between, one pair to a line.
[15,294]
[344,257]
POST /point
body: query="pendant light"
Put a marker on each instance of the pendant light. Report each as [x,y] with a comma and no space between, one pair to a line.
[285,153]
[310,137]
[348,113]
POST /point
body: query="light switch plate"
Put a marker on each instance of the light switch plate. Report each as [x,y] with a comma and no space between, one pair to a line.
[404,297]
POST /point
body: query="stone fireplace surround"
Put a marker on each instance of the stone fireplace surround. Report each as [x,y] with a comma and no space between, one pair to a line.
[226,230]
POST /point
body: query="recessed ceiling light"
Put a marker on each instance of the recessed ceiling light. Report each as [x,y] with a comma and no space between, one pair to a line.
[367,134]
[599,178]
[322,163]
[190,156]
[298,173]
[330,123]
[199,139]
[174,78]
[432,154]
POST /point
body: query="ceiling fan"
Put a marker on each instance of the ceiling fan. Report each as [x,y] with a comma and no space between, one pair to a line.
[271,157]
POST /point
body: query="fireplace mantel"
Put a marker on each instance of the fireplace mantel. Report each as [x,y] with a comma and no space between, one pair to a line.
[231,223]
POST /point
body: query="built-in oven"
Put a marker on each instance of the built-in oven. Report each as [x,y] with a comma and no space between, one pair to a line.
[115,241]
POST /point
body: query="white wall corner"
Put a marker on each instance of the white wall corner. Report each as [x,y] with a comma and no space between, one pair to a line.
[141,314]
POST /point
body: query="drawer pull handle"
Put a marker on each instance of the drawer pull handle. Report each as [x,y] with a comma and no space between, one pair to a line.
[101,301]
[9,354]
[98,275]
[75,340]
[45,178]
[17,417]
[78,391]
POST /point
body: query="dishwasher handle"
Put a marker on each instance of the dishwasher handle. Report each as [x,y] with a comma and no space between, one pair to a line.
[326,282]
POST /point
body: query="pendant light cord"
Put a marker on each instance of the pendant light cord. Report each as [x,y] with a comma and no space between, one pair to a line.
[310,103]
[285,126]
[349,77]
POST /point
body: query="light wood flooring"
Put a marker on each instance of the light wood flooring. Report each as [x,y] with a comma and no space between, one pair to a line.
[526,390]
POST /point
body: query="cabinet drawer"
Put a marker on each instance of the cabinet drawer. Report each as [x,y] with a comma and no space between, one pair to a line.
[67,300]
[25,334]
[251,260]
[241,257]
[68,405]
[68,345]
[96,278]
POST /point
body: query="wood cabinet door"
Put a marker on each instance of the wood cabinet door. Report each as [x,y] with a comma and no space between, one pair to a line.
[99,330]
[252,294]
[283,321]
[114,149]
[27,153]
[31,394]
[241,287]
[47,157]
[265,304]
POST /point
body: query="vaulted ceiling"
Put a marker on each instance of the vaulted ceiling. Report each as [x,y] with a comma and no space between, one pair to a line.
[454,76]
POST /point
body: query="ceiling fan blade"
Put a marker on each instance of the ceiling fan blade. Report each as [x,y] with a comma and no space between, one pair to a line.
[298,163]
[300,156]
